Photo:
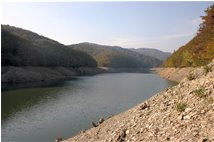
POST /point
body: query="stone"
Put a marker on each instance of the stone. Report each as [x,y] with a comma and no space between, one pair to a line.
[187,110]
[101,120]
[203,111]
[187,117]
[143,106]
[205,140]
[127,132]
[94,124]
[180,117]
[122,135]
[58,139]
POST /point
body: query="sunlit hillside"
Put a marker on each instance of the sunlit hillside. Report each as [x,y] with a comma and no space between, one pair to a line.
[200,50]
[117,57]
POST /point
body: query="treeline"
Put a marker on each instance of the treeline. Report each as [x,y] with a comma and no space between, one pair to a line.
[200,50]
[25,48]
[155,53]
[116,57]
[21,47]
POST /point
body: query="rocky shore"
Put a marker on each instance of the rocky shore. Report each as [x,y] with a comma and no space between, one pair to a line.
[183,113]
[173,74]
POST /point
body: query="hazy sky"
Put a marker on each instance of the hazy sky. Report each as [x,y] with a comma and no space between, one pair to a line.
[162,25]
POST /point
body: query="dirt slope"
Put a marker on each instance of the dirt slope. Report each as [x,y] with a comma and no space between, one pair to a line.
[183,113]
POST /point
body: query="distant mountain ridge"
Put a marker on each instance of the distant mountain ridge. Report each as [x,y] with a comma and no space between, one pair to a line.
[155,53]
[115,56]
[25,48]
[22,47]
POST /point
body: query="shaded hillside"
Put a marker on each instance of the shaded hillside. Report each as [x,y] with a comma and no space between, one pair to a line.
[24,48]
[152,53]
[200,50]
[117,57]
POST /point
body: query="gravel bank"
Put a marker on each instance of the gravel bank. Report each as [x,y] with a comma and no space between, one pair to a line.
[183,113]
[173,74]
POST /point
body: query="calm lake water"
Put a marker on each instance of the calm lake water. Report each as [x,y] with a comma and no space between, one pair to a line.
[42,114]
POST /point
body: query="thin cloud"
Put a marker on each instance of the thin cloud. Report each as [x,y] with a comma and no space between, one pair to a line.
[196,21]
[153,42]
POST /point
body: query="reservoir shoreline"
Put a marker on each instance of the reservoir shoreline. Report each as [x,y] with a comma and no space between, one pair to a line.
[14,77]
[177,113]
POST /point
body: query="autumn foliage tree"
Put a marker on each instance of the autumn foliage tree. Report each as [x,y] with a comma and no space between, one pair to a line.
[208,20]
[200,50]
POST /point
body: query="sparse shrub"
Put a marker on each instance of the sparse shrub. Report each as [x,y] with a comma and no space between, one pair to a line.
[190,76]
[180,107]
[200,92]
[211,100]
[207,69]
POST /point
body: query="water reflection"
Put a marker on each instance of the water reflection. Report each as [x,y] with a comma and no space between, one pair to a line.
[41,114]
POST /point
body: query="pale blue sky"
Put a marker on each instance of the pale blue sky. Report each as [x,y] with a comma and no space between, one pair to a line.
[161,25]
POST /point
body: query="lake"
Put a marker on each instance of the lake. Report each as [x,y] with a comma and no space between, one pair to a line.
[44,113]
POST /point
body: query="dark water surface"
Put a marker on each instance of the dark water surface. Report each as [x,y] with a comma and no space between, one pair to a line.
[42,114]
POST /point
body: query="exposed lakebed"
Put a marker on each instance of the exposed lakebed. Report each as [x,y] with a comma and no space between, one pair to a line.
[42,114]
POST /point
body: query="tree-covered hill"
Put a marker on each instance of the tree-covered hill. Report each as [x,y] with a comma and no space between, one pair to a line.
[200,50]
[155,53]
[117,57]
[21,47]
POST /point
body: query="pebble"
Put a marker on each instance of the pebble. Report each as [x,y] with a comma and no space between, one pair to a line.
[180,117]
[101,120]
[187,117]
[187,110]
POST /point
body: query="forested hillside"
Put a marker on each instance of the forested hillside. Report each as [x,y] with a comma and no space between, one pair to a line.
[24,48]
[155,53]
[200,50]
[117,57]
